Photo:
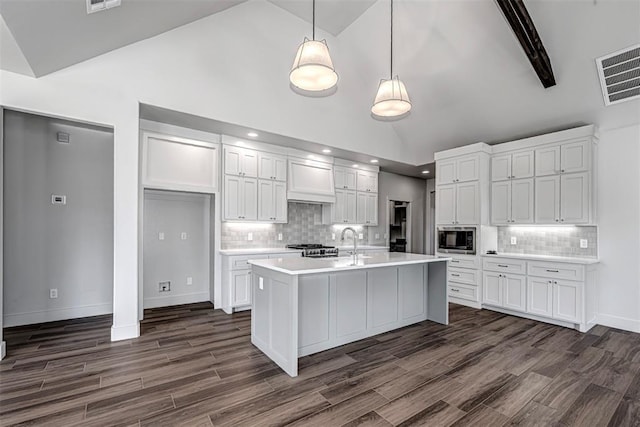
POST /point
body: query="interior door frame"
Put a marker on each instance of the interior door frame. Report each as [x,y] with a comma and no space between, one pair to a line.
[409,218]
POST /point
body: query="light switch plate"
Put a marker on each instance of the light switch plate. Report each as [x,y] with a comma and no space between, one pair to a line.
[514,240]
[360,236]
[261,283]
[161,236]
[183,236]
[189,280]
[584,243]
[249,236]
[333,236]
[279,236]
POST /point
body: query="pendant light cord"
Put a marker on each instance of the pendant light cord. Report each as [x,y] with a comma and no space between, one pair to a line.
[391,62]
[313,19]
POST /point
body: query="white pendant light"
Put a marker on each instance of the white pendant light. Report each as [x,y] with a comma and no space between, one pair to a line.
[312,69]
[392,100]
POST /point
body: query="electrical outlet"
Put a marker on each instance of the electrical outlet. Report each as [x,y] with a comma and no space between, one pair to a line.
[183,236]
[261,283]
[377,236]
[360,236]
[584,243]
[514,240]
[161,236]
[333,236]
[53,293]
[189,280]
[249,236]
[164,286]
[279,236]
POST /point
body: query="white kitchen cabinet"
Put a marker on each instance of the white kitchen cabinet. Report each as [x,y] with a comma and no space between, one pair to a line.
[458,203]
[367,181]
[512,166]
[310,180]
[574,198]
[241,288]
[492,288]
[540,296]
[547,199]
[512,202]
[367,208]
[271,166]
[462,169]
[574,156]
[548,160]
[272,201]
[505,290]
[240,198]
[240,161]
[567,300]
[345,178]
[446,204]
[345,207]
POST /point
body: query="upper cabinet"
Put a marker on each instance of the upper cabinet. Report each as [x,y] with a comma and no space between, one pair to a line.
[311,181]
[272,166]
[462,169]
[563,158]
[512,202]
[345,178]
[512,166]
[458,204]
[240,161]
[367,208]
[367,181]
[356,195]
[180,164]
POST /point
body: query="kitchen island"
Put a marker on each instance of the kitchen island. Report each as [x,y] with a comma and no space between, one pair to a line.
[303,306]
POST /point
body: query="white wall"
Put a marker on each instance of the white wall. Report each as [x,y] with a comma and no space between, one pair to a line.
[174,259]
[619,228]
[67,247]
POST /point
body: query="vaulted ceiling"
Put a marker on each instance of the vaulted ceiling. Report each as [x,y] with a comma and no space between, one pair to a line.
[467,75]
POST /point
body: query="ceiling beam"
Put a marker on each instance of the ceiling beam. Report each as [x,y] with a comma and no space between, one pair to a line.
[516,14]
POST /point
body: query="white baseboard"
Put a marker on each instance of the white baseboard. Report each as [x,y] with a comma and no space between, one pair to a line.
[119,333]
[154,302]
[29,318]
[3,349]
[617,322]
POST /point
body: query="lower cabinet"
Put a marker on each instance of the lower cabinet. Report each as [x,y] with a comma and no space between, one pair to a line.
[540,296]
[567,300]
[505,290]
[464,280]
[240,288]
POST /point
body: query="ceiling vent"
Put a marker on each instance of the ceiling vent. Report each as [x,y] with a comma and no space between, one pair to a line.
[100,5]
[620,75]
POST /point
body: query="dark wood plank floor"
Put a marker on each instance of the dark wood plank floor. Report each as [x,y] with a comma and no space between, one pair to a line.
[195,366]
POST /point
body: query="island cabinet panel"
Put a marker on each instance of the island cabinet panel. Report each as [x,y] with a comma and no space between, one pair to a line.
[382,291]
[313,292]
[412,293]
[351,303]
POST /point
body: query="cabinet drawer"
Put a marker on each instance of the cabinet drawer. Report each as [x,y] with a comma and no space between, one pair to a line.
[463,275]
[463,262]
[556,270]
[464,291]
[505,265]
[242,262]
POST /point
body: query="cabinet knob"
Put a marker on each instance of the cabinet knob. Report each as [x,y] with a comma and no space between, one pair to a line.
[557,220]
[561,219]
[561,170]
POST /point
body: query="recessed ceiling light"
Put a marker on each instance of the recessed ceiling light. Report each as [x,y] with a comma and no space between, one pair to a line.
[425,171]
[355,166]
[374,160]
[326,151]
[252,134]
[310,156]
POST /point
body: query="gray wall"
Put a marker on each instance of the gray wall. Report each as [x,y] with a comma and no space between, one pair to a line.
[402,188]
[67,247]
[174,259]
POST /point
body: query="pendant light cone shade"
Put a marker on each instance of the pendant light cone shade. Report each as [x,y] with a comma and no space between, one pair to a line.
[392,99]
[313,69]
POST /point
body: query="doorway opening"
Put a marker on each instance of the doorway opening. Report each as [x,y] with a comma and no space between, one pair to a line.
[399,226]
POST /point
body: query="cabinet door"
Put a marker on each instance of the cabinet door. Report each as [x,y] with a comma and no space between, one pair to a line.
[240,288]
[249,160]
[339,207]
[372,209]
[540,296]
[232,160]
[574,198]
[445,171]
[361,207]
[446,204]
[514,292]
[522,165]
[249,198]
[265,166]
[522,201]
[574,157]
[280,201]
[467,169]
[367,181]
[547,200]
[350,179]
[232,197]
[548,161]
[265,200]
[501,202]
[339,177]
[280,168]
[350,207]
[492,288]
[567,300]
[501,167]
[467,203]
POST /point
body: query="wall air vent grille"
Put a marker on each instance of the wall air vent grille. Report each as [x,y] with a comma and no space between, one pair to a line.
[100,5]
[620,75]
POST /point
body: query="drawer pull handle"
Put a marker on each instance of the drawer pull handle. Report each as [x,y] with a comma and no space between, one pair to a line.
[455,275]
[454,260]
[455,290]
[503,266]
[552,271]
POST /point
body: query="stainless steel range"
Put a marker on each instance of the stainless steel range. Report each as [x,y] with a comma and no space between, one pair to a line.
[314,250]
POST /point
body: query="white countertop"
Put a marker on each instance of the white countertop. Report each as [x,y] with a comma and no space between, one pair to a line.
[331,265]
[364,247]
[585,261]
[258,251]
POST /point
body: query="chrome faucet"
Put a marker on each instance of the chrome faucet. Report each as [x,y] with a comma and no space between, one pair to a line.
[355,240]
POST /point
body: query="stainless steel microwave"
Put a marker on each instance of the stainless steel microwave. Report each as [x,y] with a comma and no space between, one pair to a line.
[457,240]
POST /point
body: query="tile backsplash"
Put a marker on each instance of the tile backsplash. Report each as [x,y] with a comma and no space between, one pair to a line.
[304,226]
[557,241]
